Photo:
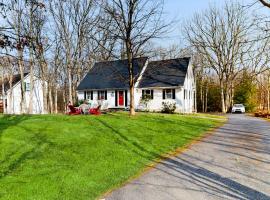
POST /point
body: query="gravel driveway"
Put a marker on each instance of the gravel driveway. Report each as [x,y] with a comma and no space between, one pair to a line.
[233,163]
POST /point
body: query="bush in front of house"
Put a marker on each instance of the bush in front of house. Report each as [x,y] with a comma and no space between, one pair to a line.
[168,107]
[145,102]
[78,103]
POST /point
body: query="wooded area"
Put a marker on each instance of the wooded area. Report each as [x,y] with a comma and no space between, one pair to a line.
[60,40]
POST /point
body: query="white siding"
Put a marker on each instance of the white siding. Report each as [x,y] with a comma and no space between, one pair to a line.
[105,104]
[190,87]
[156,103]
[37,100]
[182,105]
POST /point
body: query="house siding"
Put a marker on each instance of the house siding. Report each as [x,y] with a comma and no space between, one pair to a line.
[155,104]
[105,104]
[183,105]
[190,87]
[37,100]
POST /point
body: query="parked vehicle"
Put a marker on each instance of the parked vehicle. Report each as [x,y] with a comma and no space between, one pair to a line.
[238,108]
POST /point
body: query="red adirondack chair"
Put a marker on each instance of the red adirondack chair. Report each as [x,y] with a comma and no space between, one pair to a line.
[74,111]
[95,111]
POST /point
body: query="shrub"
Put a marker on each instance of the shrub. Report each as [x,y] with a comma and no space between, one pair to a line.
[78,103]
[168,107]
[145,101]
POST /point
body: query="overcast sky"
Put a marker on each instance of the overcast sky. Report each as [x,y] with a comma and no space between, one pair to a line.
[181,10]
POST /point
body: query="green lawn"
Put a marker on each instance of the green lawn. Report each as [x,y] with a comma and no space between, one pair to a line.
[81,157]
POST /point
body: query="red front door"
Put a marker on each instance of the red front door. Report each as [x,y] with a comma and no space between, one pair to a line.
[121,98]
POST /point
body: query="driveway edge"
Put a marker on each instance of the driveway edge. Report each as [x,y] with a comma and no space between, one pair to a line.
[163,157]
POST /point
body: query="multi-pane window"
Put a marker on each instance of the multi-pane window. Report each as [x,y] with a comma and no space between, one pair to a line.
[169,94]
[148,94]
[102,95]
[89,95]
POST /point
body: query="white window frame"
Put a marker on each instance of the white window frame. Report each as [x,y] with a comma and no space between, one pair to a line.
[148,92]
[168,93]
[88,95]
[102,95]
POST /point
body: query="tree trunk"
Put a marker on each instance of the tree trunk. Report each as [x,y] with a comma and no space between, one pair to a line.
[55,101]
[44,72]
[268,94]
[268,100]
[232,95]
[3,90]
[227,100]
[195,102]
[21,68]
[64,99]
[131,78]
[30,106]
[50,99]
[10,103]
[202,96]
[74,95]
[223,107]
[70,98]
[206,99]
[132,107]
[45,96]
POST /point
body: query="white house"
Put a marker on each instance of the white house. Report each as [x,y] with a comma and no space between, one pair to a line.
[12,96]
[162,81]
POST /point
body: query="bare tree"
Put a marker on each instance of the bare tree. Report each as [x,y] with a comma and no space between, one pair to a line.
[31,21]
[2,70]
[138,22]
[221,36]
[15,22]
[73,21]
[265,3]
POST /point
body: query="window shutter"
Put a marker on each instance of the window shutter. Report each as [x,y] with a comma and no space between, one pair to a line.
[84,95]
[143,93]
[92,95]
[152,94]
[126,98]
[173,93]
[106,95]
[116,98]
[163,94]
[98,95]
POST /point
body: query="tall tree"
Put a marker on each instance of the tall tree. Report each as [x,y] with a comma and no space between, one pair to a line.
[220,36]
[73,21]
[138,22]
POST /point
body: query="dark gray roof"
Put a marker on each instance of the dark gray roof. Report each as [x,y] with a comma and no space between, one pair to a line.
[165,73]
[15,79]
[111,74]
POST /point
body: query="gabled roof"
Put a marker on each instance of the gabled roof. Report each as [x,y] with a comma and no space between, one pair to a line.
[111,74]
[165,73]
[114,74]
[16,79]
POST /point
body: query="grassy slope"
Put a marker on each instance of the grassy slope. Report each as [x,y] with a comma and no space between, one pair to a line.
[81,157]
